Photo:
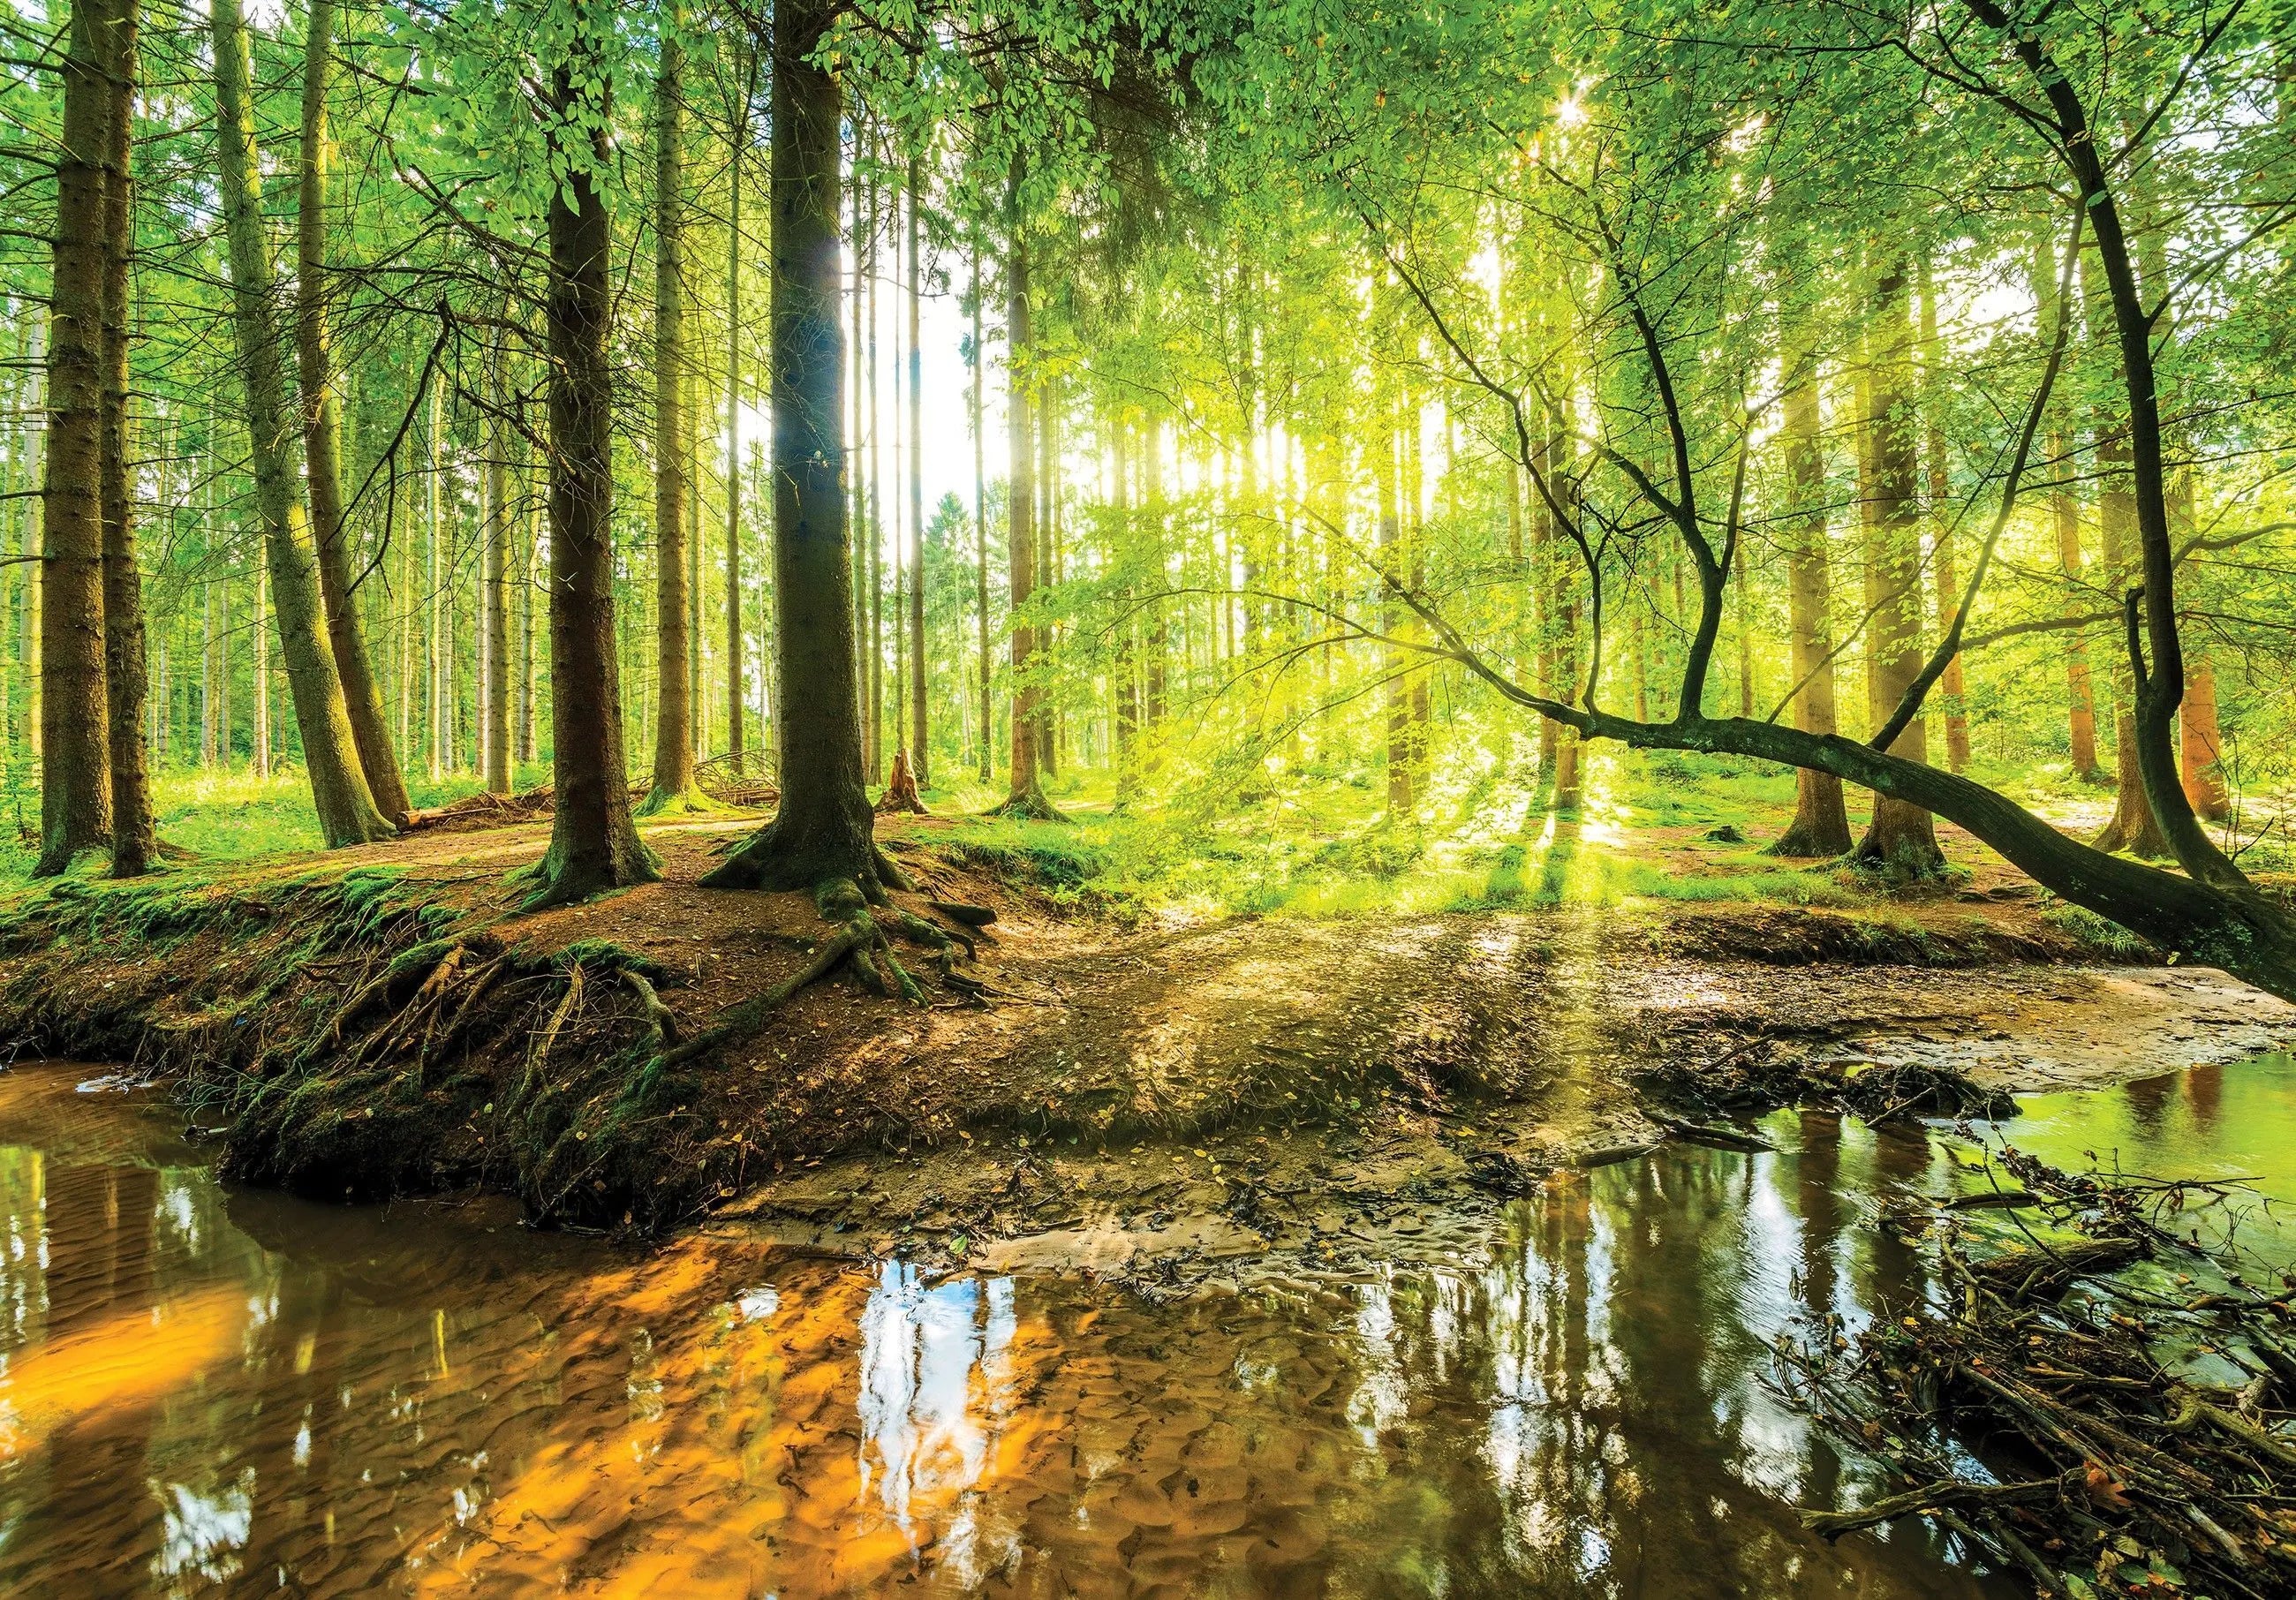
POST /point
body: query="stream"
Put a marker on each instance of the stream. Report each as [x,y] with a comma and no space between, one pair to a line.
[209,1390]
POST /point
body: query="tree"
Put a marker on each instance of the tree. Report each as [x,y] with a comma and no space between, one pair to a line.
[1024,783]
[593,839]
[322,420]
[134,838]
[338,788]
[74,766]
[823,834]
[673,746]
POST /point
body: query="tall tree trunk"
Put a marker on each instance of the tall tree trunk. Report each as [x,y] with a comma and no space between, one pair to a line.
[1821,824]
[1951,686]
[435,722]
[338,790]
[76,764]
[494,591]
[2132,826]
[258,678]
[1400,799]
[2203,741]
[920,729]
[134,830]
[594,841]
[874,533]
[981,526]
[530,558]
[1900,836]
[734,718]
[1025,785]
[673,741]
[322,431]
[823,833]
[1047,567]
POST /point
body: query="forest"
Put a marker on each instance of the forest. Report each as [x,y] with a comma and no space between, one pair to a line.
[1578,710]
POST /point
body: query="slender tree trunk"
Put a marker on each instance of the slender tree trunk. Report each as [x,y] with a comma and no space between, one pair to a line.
[494,593]
[594,841]
[1047,571]
[1821,824]
[920,741]
[1900,836]
[258,678]
[2132,826]
[875,532]
[734,717]
[532,563]
[981,526]
[823,833]
[1024,786]
[673,744]
[134,830]
[1951,686]
[1400,799]
[338,790]
[76,764]
[434,655]
[322,426]
[2203,741]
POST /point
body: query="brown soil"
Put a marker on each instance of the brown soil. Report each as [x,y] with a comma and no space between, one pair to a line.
[1157,1104]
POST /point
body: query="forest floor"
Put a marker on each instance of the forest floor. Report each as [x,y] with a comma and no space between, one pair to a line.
[1156,1098]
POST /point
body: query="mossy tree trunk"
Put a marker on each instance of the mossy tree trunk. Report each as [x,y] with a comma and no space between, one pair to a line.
[134,830]
[74,766]
[339,788]
[1900,836]
[824,830]
[673,744]
[593,839]
[1821,822]
[322,419]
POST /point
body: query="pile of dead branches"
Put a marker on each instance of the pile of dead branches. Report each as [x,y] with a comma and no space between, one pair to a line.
[2103,1398]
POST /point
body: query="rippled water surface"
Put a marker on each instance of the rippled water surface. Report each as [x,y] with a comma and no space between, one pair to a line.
[213,1391]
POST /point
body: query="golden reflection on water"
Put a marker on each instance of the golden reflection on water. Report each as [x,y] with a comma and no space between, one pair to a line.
[211,1392]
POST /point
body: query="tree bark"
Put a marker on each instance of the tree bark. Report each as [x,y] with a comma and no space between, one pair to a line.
[1900,836]
[1821,822]
[494,596]
[823,830]
[134,830]
[322,423]
[734,721]
[338,788]
[594,841]
[75,766]
[673,741]
[1024,784]
[2203,741]
[980,528]
[920,729]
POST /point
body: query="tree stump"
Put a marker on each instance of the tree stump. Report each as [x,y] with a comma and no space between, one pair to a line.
[901,789]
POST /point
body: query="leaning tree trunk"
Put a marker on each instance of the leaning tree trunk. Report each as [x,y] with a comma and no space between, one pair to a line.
[1821,822]
[822,832]
[133,831]
[323,433]
[339,788]
[673,741]
[1900,836]
[594,841]
[75,764]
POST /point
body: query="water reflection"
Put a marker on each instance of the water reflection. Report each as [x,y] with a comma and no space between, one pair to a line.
[320,1401]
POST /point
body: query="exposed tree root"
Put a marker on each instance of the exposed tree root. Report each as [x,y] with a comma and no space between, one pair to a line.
[1031,805]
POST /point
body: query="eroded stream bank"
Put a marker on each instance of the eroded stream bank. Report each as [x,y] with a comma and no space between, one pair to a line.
[215,1390]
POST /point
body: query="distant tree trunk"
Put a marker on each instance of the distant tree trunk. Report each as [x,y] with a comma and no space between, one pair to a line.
[734,717]
[2133,827]
[981,526]
[494,592]
[76,764]
[322,431]
[338,790]
[1155,691]
[1821,824]
[1399,796]
[673,740]
[1951,686]
[1025,785]
[594,841]
[823,833]
[134,830]
[920,742]
[2203,741]
[1900,835]
[1047,569]
[258,678]
[530,560]
[436,724]
[873,749]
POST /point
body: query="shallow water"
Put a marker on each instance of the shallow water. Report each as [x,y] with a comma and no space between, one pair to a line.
[210,1391]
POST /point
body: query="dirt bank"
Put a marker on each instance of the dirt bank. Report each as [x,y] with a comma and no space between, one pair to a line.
[1146,1101]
